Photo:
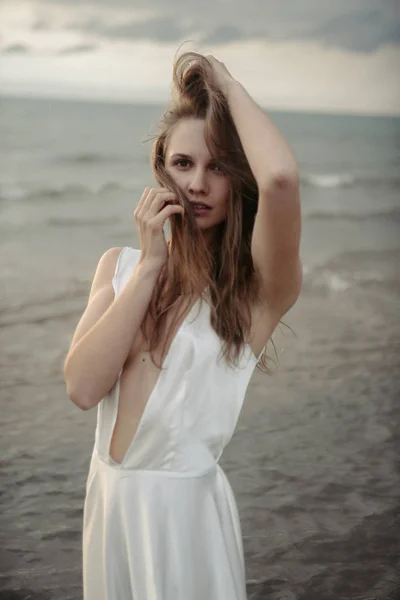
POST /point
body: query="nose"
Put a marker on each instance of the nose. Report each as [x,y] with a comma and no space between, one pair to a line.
[198,184]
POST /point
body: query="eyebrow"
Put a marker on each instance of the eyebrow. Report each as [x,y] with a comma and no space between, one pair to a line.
[186,156]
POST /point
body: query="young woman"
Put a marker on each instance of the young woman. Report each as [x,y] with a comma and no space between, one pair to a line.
[170,337]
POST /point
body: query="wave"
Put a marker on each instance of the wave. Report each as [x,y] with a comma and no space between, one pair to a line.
[69,190]
[91,158]
[392,214]
[70,222]
[335,281]
[365,270]
[63,305]
[328,180]
[327,279]
[340,180]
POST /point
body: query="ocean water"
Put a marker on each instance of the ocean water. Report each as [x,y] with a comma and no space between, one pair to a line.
[314,463]
[74,168]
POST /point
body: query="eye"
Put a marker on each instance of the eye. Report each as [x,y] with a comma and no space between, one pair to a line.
[180,161]
[216,167]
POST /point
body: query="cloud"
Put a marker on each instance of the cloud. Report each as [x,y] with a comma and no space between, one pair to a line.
[16,49]
[359,31]
[164,30]
[22,49]
[41,24]
[78,49]
[289,76]
[222,35]
[313,54]
[362,25]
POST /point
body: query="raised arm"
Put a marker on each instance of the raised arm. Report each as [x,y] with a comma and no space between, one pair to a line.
[275,243]
[277,229]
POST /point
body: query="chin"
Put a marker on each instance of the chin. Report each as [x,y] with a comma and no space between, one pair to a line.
[207,226]
[209,231]
[205,223]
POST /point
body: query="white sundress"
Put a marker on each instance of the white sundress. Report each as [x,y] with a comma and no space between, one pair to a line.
[163,524]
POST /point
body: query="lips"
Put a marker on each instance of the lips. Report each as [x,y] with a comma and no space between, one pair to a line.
[200,205]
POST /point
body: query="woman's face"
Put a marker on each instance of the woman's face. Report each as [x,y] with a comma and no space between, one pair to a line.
[193,169]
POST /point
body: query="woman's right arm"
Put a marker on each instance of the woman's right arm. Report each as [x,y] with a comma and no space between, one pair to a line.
[106,330]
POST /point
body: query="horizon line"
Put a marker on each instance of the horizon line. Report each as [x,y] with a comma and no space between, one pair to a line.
[9,95]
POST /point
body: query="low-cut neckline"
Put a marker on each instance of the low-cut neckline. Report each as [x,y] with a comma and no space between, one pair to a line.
[161,373]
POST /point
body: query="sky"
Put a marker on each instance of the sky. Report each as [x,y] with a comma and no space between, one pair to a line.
[307,55]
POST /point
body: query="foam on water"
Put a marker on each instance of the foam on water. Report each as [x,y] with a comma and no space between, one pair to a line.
[314,463]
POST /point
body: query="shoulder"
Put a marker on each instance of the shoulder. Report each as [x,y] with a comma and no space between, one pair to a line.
[108,260]
[108,266]
[111,257]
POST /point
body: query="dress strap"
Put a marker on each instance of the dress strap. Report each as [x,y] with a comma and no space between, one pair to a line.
[126,262]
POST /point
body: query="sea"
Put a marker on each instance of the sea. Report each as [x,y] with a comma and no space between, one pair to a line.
[314,463]
[78,169]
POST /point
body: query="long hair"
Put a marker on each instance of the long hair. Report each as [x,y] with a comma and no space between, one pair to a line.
[226,263]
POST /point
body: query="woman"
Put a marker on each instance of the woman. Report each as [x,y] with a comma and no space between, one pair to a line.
[170,338]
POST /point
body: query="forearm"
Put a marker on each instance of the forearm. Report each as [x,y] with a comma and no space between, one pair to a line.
[95,362]
[266,149]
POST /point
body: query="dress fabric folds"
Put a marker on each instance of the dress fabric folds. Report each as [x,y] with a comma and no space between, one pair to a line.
[163,524]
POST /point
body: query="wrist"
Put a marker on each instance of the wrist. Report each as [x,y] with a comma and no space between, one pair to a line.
[149,268]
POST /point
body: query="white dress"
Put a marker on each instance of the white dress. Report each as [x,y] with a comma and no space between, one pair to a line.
[163,524]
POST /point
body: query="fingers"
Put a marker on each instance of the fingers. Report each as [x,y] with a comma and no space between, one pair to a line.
[154,202]
[165,213]
[139,207]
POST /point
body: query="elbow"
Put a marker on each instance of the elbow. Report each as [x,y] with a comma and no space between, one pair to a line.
[81,401]
[74,391]
[283,179]
[77,396]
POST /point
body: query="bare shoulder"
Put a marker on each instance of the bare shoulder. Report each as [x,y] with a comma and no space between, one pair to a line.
[105,270]
[101,294]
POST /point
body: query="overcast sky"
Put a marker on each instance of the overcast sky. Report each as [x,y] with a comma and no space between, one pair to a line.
[322,55]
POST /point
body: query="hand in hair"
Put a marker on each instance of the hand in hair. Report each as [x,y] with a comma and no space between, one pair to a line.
[222,77]
[155,207]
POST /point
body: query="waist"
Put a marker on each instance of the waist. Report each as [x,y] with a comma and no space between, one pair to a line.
[121,470]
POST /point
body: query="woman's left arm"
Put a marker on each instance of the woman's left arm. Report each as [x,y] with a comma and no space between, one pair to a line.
[275,243]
